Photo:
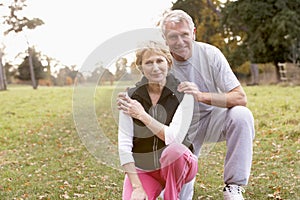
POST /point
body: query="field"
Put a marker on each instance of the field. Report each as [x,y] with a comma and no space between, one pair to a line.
[45,155]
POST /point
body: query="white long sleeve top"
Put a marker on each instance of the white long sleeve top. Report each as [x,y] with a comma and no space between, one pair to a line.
[175,132]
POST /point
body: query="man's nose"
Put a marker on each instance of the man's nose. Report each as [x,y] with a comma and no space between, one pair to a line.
[179,40]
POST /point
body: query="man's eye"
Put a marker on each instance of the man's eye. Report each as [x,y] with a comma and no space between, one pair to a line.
[159,60]
[172,37]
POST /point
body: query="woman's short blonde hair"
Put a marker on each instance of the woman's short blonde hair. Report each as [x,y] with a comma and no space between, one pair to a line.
[152,47]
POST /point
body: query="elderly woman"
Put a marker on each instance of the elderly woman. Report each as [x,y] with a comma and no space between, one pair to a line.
[153,122]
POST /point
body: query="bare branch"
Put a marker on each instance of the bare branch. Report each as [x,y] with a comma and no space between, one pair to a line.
[213,8]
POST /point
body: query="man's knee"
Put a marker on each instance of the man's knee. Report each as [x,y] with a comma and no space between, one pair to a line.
[240,112]
[242,117]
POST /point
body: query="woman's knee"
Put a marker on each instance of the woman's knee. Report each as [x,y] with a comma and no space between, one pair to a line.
[173,152]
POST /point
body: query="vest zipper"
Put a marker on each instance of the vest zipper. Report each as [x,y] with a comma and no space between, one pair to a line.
[155,140]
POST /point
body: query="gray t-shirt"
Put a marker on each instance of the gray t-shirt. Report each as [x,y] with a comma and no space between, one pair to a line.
[210,71]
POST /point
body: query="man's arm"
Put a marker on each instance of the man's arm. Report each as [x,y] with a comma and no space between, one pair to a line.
[235,97]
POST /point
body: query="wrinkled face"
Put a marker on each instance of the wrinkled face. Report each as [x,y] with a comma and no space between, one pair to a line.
[155,67]
[179,37]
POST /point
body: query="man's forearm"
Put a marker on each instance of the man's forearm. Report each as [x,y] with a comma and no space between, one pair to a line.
[224,100]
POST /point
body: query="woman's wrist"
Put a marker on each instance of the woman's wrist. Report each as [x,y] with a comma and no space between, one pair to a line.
[145,118]
[136,186]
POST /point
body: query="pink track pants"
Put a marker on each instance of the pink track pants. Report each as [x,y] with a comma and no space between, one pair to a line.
[178,166]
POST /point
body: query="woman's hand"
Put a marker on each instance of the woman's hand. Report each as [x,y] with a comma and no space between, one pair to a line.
[138,193]
[121,100]
[129,106]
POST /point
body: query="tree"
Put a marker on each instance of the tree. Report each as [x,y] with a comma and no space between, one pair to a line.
[2,69]
[135,72]
[121,65]
[24,70]
[48,63]
[206,16]
[2,72]
[107,76]
[67,76]
[18,24]
[266,29]
[10,72]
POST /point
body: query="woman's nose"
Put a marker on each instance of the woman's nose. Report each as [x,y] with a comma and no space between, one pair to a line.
[155,66]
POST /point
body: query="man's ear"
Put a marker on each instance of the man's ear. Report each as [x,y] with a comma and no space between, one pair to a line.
[166,43]
[194,33]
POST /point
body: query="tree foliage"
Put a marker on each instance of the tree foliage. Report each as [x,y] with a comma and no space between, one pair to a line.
[206,16]
[66,76]
[121,66]
[24,68]
[248,30]
[18,23]
[10,72]
[266,29]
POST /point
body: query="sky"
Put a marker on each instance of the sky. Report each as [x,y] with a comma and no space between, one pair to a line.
[73,29]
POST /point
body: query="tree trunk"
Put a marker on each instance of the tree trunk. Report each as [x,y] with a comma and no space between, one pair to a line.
[277,70]
[32,75]
[2,75]
[254,73]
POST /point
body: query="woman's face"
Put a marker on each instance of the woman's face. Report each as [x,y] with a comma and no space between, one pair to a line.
[155,67]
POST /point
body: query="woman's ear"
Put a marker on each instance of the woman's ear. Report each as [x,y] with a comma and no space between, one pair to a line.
[140,69]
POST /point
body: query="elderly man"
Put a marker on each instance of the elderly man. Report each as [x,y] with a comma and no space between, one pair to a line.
[205,73]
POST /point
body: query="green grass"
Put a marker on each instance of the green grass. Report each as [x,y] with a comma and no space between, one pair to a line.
[276,164]
[42,156]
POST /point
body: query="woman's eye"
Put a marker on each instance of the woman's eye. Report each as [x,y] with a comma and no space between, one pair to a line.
[148,63]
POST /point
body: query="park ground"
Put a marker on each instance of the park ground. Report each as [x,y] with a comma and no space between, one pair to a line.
[42,155]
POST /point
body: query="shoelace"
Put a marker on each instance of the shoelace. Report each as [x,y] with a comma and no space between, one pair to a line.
[235,189]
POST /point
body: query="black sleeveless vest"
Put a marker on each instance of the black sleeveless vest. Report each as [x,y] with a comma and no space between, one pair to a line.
[147,147]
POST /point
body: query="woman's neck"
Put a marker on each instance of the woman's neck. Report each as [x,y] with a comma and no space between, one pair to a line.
[155,90]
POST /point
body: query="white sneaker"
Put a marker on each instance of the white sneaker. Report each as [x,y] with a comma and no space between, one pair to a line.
[233,192]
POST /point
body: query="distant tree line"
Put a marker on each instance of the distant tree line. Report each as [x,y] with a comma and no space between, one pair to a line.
[246,31]
[15,22]
[50,72]
[59,75]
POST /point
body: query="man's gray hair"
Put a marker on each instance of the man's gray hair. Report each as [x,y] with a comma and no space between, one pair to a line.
[176,16]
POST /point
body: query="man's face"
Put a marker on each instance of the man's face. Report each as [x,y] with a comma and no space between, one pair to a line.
[179,38]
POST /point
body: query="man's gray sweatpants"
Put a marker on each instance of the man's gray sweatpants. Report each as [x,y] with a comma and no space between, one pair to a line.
[236,126]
